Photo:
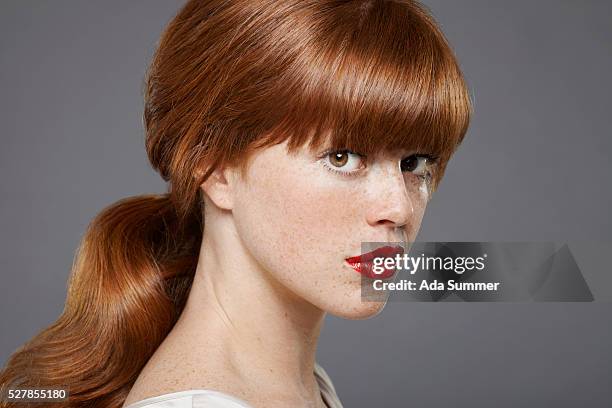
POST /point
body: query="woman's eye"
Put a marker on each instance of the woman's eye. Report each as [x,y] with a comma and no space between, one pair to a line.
[343,161]
[415,164]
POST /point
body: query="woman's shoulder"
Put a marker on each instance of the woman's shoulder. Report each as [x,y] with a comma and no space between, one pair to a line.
[202,398]
[191,399]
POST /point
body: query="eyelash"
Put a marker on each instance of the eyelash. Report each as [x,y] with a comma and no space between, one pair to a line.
[351,173]
[430,158]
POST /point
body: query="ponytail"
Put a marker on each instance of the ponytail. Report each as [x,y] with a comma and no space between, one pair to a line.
[128,285]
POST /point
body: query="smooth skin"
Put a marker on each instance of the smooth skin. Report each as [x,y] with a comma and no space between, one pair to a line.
[272,263]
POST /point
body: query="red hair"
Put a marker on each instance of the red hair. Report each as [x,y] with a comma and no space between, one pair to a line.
[227,78]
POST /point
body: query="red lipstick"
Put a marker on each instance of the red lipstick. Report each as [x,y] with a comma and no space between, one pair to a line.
[364,263]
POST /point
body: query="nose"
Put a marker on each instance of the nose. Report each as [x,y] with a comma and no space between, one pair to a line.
[391,203]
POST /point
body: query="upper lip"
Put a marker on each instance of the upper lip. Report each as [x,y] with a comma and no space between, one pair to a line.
[383,252]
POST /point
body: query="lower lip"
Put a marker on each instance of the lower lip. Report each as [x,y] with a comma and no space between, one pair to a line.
[365,268]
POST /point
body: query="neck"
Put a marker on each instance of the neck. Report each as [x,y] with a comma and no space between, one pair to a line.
[240,315]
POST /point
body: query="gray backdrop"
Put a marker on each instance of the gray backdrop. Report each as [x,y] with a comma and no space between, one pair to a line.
[534,166]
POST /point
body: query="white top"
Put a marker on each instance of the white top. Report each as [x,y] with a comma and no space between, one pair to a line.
[216,399]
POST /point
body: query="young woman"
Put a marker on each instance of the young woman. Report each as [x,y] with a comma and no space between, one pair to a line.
[289,133]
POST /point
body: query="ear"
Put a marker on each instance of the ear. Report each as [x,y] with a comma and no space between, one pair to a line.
[220,187]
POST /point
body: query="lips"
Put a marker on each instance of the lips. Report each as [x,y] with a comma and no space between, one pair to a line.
[364,263]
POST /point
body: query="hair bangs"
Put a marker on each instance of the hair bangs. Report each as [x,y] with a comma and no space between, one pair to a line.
[383,80]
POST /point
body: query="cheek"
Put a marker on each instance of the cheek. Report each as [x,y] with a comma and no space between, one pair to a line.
[304,207]
[296,221]
[420,205]
[418,193]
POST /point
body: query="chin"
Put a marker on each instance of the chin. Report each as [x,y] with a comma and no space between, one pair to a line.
[357,310]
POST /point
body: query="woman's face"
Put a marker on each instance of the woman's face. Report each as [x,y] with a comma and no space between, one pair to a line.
[302,215]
